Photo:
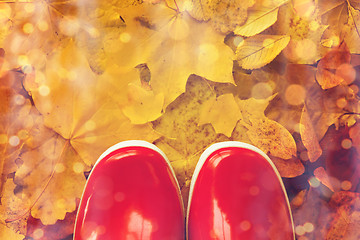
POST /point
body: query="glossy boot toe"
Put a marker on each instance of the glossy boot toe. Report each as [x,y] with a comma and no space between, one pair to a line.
[237,193]
[131,194]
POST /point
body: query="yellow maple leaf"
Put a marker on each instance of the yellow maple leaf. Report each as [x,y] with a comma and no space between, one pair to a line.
[75,104]
[47,175]
[143,106]
[222,112]
[260,17]
[225,16]
[183,139]
[173,45]
[352,29]
[7,233]
[259,50]
[11,207]
[308,136]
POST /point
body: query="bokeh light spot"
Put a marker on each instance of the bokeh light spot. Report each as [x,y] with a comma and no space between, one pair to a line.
[59,168]
[43,26]
[44,90]
[38,233]
[14,141]
[125,37]
[90,125]
[254,190]
[78,167]
[261,90]
[346,143]
[341,102]
[308,227]
[314,182]
[295,94]
[299,230]
[245,225]
[28,28]
[19,99]
[347,72]
[29,7]
[346,185]
[23,134]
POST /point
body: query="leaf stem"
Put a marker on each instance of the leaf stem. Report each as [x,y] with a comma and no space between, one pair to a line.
[177,7]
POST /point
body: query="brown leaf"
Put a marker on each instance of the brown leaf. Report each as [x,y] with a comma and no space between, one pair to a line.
[309,137]
[288,168]
[326,74]
[346,223]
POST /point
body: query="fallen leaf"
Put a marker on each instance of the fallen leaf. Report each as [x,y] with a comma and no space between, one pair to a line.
[346,223]
[143,106]
[86,115]
[323,177]
[341,158]
[225,16]
[184,148]
[260,17]
[288,168]
[327,75]
[253,108]
[314,212]
[308,136]
[354,134]
[222,112]
[272,138]
[352,30]
[12,207]
[259,50]
[165,40]
[7,233]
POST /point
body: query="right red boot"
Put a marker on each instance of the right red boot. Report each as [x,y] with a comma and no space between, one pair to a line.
[237,194]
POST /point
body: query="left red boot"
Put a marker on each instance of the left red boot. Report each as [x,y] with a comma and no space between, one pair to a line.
[131,194]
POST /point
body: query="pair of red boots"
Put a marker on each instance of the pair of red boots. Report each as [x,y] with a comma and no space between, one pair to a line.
[235,193]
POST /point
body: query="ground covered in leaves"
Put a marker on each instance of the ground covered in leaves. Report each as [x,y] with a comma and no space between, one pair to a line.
[79,76]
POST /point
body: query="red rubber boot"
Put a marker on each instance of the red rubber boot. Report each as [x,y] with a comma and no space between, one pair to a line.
[237,193]
[131,193]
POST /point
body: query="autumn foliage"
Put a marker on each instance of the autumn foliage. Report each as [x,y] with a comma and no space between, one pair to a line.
[79,76]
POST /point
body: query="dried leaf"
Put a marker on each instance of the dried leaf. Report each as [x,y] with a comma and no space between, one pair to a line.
[352,29]
[308,136]
[257,51]
[86,116]
[314,212]
[225,16]
[165,40]
[288,168]
[323,177]
[222,112]
[354,134]
[184,148]
[143,106]
[51,187]
[7,233]
[346,223]
[260,17]
[272,138]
